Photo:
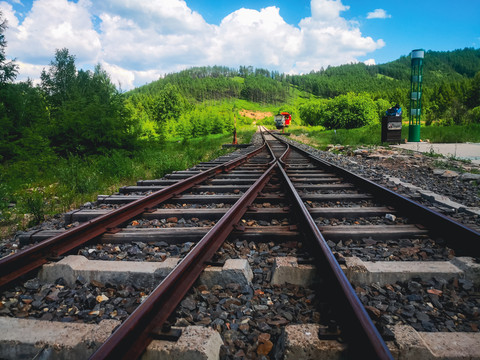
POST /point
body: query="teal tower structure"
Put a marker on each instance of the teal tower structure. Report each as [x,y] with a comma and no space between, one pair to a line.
[416,95]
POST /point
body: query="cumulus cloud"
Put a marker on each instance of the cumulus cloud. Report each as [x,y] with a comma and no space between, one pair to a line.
[330,39]
[29,71]
[369,62]
[128,79]
[378,14]
[137,42]
[51,25]
[256,37]
[327,10]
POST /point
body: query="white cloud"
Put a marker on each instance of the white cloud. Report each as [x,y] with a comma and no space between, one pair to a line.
[327,10]
[28,71]
[256,37]
[127,79]
[369,62]
[165,16]
[51,25]
[8,13]
[378,14]
[329,39]
[136,42]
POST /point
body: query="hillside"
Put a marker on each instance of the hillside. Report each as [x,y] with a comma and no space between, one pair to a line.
[203,83]
[450,93]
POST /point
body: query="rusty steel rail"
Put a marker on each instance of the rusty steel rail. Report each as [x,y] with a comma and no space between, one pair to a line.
[24,261]
[362,335]
[457,236]
[133,336]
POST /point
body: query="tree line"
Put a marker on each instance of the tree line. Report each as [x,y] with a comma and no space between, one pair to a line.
[219,82]
[71,112]
[451,84]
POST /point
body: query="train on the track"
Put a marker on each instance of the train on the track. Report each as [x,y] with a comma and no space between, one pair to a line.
[282,120]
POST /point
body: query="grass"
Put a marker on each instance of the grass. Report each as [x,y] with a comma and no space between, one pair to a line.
[321,138]
[371,135]
[451,134]
[33,190]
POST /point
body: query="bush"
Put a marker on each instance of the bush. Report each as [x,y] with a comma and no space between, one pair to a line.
[314,113]
[342,112]
[78,175]
[33,204]
[474,115]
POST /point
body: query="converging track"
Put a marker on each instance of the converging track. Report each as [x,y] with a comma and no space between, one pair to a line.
[275,193]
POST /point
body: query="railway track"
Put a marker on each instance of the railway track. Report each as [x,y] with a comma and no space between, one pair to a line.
[268,203]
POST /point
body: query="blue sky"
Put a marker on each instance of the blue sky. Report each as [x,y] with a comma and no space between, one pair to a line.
[136,42]
[434,25]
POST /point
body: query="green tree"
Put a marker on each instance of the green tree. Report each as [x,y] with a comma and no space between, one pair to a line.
[8,69]
[59,81]
[88,114]
[473,97]
[315,113]
[169,105]
[23,121]
[342,112]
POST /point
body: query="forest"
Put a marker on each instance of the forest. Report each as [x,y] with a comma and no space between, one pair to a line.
[81,119]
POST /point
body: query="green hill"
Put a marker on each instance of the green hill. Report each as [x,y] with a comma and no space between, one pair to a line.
[261,85]
[450,92]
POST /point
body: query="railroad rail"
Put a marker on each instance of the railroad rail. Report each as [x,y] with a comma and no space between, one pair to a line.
[293,178]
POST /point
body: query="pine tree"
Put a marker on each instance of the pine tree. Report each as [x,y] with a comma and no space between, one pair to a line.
[8,69]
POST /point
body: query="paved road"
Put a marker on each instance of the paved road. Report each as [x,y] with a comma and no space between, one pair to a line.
[468,151]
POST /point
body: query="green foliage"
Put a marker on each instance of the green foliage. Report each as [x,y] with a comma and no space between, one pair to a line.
[88,114]
[315,112]
[473,92]
[371,134]
[452,133]
[32,202]
[342,112]
[71,112]
[382,106]
[208,120]
[5,199]
[198,84]
[450,90]
[451,86]
[78,175]
[58,83]
[43,189]
[474,115]
[23,121]
[262,89]
[168,104]
[8,69]
[218,83]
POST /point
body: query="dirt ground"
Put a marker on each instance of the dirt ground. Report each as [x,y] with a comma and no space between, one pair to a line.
[304,139]
[256,115]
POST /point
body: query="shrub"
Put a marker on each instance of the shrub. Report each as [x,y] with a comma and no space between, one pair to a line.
[474,115]
[33,205]
[342,112]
